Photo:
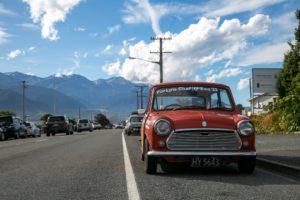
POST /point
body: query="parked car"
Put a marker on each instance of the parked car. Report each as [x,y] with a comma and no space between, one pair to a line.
[58,124]
[84,125]
[197,124]
[97,126]
[133,124]
[32,129]
[2,136]
[13,127]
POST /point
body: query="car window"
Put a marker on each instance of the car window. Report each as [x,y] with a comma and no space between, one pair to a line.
[84,121]
[136,119]
[54,119]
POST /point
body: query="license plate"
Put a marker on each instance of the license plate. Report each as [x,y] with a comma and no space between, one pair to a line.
[205,162]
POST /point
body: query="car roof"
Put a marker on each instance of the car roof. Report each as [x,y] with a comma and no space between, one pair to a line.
[208,84]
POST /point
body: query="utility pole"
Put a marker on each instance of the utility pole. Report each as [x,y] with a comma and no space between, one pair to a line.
[137,99]
[161,52]
[24,86]
[141,87]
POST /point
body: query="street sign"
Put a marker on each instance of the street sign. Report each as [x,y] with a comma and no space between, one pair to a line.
[264,80]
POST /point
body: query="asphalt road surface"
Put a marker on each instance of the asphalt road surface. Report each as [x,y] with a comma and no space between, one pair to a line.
[106,165]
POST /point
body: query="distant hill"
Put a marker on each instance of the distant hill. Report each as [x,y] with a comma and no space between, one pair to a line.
[72,95]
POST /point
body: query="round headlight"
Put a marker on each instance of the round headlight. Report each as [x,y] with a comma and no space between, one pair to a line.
[245,127]
[162,127]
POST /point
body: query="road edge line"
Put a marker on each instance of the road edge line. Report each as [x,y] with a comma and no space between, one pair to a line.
[132,189]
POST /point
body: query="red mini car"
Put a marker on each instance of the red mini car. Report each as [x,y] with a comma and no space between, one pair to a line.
[195,123]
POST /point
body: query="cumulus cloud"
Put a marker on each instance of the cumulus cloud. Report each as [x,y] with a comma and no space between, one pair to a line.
[48,13]
[79,29]
[29,26]
[3,35]
[242,84]
[198,46]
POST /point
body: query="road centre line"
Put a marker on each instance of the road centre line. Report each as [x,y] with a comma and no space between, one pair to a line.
[132,190]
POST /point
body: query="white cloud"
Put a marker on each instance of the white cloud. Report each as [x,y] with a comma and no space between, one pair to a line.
[112,68]
[114,29]
[200,45]
[141,11]
[228,7]
[242,84]
[6,11]
[78,56]
[29,26]
[3,35]
[226,73]
[107,49]
[48,13]
[15,53]
[79,29]
[264,54]
[31,48]
[122,52]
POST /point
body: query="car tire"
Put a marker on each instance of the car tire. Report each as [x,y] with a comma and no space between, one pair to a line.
[247,165]
[53,134]
[150,163]
[47,134]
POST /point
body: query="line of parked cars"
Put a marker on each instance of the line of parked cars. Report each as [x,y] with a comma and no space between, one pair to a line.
[14,127]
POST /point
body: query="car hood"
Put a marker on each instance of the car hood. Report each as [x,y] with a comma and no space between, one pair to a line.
[184,119]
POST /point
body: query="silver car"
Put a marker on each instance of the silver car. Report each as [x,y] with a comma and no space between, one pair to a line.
[32,129]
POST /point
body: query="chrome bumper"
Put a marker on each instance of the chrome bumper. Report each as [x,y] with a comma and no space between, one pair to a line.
[199,153]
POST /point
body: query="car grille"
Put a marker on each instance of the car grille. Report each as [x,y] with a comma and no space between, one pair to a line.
[206,140]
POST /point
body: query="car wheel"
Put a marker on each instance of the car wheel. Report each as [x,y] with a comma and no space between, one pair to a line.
[53,134]
[48,134]
[2,136]
[247,165]
[150,163]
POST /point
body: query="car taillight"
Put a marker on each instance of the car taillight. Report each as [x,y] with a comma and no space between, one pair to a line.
[65,124]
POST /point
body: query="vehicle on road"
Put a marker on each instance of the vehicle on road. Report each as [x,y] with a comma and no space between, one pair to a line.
[58,124]
[32,129]
[84,125]
[13,127]
[2,136]
[197,124]
[97,126]
[133,124]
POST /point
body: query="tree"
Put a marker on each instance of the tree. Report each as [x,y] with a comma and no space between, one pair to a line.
[289,84]
[45,117]
[102,119]
[240,108]
[291,64]
[7,113]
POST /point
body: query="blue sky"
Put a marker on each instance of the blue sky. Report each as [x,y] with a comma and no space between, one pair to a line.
[213,40]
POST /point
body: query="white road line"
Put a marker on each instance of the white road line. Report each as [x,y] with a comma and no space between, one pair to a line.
[42,140]
[132,190]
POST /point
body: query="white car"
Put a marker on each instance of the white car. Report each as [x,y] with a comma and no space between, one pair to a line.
[84,125]
[32,129]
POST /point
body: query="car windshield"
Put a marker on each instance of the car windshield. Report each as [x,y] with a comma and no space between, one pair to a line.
[55,119]
[191,97]
[136,119]
[83,121]
[5,121]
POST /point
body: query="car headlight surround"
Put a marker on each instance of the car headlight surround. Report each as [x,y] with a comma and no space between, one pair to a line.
[245,127]
[162,127]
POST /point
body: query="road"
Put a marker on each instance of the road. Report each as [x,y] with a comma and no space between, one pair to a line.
[92,166]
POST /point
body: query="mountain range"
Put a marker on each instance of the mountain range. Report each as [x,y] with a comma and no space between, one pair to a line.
[73,95]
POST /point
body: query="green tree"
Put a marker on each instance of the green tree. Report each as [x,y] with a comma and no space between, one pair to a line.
[45,117]
[7,113]
[291,63]
[102,119]
[289,84]
[240,108]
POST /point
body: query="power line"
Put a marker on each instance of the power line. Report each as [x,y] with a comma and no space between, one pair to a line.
[161,52]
